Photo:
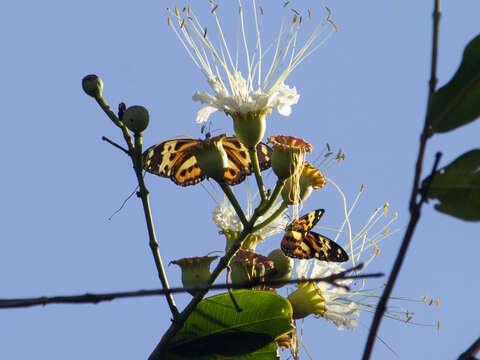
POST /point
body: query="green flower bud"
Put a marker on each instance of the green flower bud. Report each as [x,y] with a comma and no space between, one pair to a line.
[136,118]
[306,300]
[92,85]
[282,267]
[195,270]
[250,127]
[211,157]
[295,192]
[288,155]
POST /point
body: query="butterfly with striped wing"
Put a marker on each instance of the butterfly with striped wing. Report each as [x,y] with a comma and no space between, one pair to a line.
[302,243]
[174,159]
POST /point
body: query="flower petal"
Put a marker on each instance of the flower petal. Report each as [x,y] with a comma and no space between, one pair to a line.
[204,113]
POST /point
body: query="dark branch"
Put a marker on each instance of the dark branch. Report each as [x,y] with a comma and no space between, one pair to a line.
[96,298]
[415,205]
[471,351]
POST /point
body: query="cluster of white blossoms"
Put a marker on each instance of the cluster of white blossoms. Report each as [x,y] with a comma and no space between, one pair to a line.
[256,92]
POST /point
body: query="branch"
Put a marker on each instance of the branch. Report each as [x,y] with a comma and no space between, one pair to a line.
[471,351]
[415,205]
[97,298]
[135,153]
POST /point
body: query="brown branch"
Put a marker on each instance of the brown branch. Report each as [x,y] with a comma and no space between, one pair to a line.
[415,204]
[97,298]
[471,351]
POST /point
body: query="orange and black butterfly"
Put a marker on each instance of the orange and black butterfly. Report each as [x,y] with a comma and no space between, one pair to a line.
[173,159]
[301,243]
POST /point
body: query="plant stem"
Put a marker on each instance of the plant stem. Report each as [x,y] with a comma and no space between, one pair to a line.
[135,153]
[180,320]
[106,108]
[144,195]
[272,218]
[222,264]
[415,206]
[265,206]
[233,200]
[256,169]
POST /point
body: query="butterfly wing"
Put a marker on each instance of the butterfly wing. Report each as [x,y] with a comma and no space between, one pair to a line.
[171,159]
[322,248]
[301,243]
[239,163]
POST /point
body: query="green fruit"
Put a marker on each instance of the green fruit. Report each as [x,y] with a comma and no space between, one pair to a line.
[92,85]
[136,118]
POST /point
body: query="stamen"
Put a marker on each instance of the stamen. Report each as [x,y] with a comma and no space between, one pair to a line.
[330,20]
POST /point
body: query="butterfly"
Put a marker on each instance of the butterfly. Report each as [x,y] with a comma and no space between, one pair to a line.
[173,159]
[301,243]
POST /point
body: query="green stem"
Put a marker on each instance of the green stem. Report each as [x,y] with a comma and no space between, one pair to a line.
[256,169]
[135,153]
[263,208]
[180,320]
[233,200]
[272,218]
[144,195]
[106,108]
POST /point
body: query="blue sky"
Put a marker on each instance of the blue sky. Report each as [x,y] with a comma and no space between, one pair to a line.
[364,91]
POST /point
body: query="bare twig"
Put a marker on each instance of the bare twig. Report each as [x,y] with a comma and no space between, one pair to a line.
[415,204]
[104,138]
[97,298]
[471,351]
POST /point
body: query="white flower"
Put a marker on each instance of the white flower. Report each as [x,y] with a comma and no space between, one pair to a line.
[226,219]
[258,91]
[343,307]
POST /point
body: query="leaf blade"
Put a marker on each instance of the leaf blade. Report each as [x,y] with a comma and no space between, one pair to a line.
[457,187]
[217,330]
[457,103]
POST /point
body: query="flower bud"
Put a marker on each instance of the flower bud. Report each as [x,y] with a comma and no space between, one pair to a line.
[247,265]
[92,85]
[195,270]
[211,157]
[288,155]
[249,127]
[306,300]
[282,267]
[294,193]
[136,118]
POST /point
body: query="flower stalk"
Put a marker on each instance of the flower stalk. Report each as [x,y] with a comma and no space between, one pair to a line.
[135,153]
[252,152]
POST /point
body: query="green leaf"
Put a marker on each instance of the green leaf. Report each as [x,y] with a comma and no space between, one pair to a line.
[216,330]
[458,102]
[457,187]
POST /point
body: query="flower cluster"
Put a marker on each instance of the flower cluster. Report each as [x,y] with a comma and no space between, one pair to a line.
[247,91]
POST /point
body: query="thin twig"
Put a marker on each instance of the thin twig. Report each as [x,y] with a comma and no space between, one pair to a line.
[97,298]
[229,289]
[415,205]
[471,351]
[104,138]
